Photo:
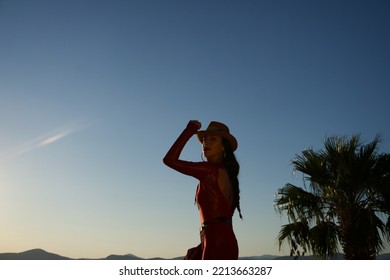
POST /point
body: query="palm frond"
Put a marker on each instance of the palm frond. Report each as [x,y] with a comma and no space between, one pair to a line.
[324,239]
[296,235]
[298,203]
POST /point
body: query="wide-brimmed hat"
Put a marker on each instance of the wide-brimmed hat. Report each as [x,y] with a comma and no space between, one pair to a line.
[218,128]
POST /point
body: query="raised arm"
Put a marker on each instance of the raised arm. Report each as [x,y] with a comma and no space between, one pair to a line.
[172,160]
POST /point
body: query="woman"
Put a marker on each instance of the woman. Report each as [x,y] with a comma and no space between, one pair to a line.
[217,194]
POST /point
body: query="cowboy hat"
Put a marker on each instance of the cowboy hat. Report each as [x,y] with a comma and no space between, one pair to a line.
[218,128]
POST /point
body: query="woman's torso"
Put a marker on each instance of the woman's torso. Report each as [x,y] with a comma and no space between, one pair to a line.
[214,194]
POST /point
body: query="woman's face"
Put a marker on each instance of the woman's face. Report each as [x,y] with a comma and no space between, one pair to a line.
[212,148]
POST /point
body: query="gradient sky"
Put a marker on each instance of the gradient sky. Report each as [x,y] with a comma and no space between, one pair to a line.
[93,94]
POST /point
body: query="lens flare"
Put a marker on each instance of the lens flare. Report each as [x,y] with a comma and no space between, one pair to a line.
[52,139]
[47,139]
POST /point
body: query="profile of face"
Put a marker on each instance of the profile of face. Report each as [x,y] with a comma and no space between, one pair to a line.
[213,148]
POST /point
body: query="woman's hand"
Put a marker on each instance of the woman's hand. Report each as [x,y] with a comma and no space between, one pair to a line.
[195,123]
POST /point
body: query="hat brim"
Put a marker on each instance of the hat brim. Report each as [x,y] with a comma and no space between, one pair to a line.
[232,140]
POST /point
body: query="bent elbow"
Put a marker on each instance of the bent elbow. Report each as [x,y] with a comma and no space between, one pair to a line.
[167,161]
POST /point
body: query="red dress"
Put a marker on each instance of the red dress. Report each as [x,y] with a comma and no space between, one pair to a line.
[218,239]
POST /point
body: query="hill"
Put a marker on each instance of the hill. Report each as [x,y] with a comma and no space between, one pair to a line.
[39,254]
[34,254]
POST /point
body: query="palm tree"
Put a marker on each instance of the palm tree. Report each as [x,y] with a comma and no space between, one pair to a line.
[344,204]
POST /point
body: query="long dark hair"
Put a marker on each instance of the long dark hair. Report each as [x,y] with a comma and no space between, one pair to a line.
[232,168]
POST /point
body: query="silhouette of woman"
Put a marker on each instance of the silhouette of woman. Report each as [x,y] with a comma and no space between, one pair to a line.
[217,194]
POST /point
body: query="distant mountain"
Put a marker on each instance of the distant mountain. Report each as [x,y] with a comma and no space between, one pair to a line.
[263,257]
[336,257]
[39,254]
[123,257]
[35,254]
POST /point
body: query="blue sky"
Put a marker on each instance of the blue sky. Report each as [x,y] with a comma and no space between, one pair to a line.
[93,94]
